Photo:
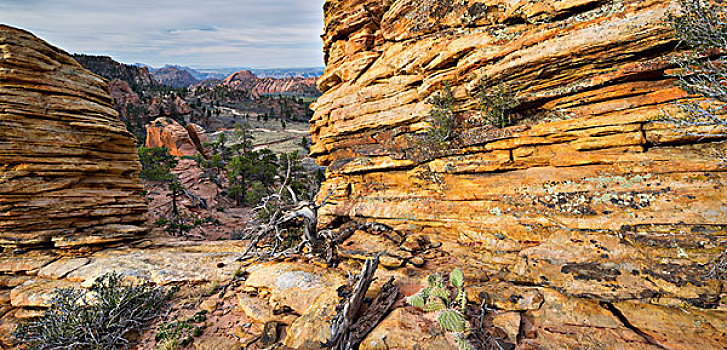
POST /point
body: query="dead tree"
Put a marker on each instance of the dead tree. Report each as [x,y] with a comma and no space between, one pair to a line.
[353,322]
[288,220]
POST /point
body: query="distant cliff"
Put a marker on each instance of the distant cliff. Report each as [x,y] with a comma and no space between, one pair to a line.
[174,77]
[586,222]
[246,80]
[136,77]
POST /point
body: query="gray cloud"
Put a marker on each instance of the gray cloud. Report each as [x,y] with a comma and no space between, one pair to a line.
[197,33]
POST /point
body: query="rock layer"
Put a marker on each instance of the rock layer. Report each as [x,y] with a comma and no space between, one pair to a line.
[248,81]
[68,167]
[587,201]
[181,141]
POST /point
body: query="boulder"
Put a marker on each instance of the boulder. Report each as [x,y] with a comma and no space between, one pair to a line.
[295,285]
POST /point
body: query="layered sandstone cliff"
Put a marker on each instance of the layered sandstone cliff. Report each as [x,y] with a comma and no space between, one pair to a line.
[68,167]
[248,81]
[587,223]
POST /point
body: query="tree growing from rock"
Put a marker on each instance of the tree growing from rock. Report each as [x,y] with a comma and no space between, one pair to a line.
[701,27]
[497,104]
[441,116]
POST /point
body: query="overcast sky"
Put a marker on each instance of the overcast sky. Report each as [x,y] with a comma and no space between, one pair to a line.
[196,33]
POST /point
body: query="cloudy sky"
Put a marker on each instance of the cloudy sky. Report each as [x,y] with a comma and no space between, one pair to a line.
[196,33]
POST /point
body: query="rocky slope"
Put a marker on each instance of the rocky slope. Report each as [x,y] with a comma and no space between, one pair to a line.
[586,223]
[248,81]
[136,77]
[180,140]
[68,167]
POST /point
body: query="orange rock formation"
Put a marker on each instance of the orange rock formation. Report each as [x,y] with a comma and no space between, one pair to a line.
[248,81]
[181,141]
[598,218]
[68,167]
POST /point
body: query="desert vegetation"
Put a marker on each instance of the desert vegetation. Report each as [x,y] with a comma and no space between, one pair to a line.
[100,318]
[495,108]
[701,28]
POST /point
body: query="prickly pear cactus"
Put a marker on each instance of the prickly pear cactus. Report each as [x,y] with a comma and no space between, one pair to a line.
[437,297]
[453,321]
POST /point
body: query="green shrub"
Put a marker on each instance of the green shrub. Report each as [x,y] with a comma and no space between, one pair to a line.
[441,117]
[98,319]
[176,334]
[497,104]
[702,28]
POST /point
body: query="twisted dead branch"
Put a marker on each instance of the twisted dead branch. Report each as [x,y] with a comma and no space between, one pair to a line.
[289,227]
[353,322]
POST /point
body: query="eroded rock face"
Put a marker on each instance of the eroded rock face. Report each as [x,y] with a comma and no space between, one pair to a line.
[68,167]
[585,199]
[180,140]
[248,81]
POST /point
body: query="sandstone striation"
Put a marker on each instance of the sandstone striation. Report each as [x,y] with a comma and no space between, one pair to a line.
[68,167]
[608,216]
[248,81]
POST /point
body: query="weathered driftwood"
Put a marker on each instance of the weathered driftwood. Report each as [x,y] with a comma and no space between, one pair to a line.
[351,325]
[286,219]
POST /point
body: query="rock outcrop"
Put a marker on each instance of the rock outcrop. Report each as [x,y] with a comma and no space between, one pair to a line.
[124,97]
[68,167]
[587,205]
[248,81]
[174,77]
[181,141]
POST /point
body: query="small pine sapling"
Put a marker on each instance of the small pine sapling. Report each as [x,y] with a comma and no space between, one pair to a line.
[441,117]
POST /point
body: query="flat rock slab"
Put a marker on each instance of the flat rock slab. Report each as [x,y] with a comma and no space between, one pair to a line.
[24,263]
[294,285]
[60,268]
[37,293]
[215,263]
